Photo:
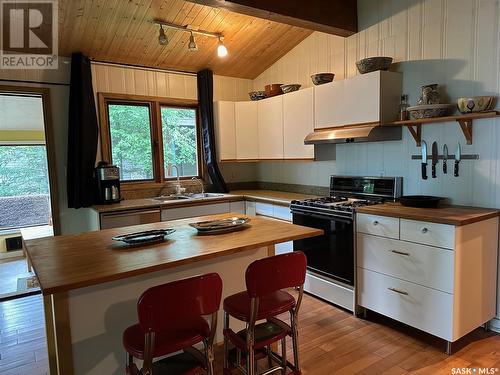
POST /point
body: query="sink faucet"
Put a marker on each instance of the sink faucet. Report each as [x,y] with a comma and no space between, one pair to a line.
[201,184]
[178,188]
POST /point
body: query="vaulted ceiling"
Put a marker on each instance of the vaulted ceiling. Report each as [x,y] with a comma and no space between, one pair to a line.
[120,31]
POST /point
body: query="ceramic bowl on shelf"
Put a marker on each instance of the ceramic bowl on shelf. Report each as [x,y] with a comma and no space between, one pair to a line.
[290,88]
[257,95]
[430,110]
[322,78]
[475,104]
[273,90]
[372,64]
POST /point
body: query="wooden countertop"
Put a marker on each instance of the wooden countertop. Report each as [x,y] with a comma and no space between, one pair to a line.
[282,198]
[453,215]
[69,262]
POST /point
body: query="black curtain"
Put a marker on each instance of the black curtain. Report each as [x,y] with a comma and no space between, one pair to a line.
[82,134]
[205,101]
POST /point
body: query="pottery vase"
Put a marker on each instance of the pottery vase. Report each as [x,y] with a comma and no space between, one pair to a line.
[429,95]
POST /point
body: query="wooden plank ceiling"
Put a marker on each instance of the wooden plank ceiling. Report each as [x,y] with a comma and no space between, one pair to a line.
[120,31]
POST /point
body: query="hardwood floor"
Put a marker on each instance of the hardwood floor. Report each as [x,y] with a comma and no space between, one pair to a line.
[22,337]
[332,341]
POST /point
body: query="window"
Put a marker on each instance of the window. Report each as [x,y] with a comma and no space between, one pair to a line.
[131,145]
[149,139]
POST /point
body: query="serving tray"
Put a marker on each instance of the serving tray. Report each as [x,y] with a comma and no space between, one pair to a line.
[149,236]
[229,224]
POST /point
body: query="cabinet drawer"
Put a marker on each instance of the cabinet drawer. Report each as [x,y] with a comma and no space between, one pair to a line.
[193,211]
[128,218]
[378,225]
[282,212]
[424,308]
[433,234]
[424,265]
[264,209]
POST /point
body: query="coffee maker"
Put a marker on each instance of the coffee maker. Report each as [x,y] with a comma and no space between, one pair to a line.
[108,183]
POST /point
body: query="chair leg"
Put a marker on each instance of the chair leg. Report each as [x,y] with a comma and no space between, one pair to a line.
[283,356]
[269,359]
[209,358]
[295,341]
[226,341]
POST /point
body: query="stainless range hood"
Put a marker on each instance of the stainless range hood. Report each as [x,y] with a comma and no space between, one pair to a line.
[354,133]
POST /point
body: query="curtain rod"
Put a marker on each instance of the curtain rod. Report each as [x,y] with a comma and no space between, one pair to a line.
[98,62]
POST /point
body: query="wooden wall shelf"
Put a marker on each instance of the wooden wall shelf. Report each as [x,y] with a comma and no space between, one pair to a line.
[464,121]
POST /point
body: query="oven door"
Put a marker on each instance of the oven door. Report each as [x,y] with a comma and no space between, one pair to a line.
[332,254]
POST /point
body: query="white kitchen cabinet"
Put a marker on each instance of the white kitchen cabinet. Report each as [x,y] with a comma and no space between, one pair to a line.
[120,219]
[225,125]
[298,121]
[435,277]
[193,211]
[247,133]
[237,207]
[270,128]
[362,99]
[328,105]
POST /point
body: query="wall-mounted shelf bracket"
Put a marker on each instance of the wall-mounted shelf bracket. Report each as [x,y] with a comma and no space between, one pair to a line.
[416,132]
[466,126]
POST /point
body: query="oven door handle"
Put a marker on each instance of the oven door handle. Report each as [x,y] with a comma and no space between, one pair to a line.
[322,217]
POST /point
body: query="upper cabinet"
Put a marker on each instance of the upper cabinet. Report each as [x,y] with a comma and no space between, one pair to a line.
[247,134]
[270,124]
[298,120]
[328,103]
[224,117]
[363,99]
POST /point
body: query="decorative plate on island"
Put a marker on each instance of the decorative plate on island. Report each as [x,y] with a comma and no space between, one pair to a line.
[229,224]
[149,236]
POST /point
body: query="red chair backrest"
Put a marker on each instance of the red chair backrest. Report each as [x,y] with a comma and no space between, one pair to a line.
[165,305]
[268,275]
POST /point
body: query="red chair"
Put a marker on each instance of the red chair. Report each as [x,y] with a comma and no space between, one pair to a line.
[264,299]
[171,319]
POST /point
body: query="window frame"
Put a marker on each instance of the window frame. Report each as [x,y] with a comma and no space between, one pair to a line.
[155,104]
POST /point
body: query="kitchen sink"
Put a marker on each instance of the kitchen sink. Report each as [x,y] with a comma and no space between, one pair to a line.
[170,198]
[205,195]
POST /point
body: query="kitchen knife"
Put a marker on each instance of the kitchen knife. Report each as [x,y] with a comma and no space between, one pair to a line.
[424,160]
[457,159]
[434,158]
[445,157]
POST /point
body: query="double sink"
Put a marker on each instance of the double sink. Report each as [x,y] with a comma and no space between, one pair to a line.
[166,198]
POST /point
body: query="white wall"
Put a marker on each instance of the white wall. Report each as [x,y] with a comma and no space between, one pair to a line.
[453,43]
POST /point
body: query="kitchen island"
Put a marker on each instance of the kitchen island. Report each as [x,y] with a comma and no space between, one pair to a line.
[91,284]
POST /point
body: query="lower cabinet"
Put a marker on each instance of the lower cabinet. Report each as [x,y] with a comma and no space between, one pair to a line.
[127,218]
[434,277]
[201,210]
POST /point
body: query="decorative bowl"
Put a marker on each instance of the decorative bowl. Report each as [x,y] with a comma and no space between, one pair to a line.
[257,95]
[372,64]
[273,90]
[322,78]
[430,110]
[290,88]
[475,104]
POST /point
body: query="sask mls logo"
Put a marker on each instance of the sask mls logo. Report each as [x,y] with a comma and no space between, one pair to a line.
[29,34]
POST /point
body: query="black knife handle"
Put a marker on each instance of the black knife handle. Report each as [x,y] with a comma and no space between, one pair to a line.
[433,170]
[445,167]
[424,171]
[455,172]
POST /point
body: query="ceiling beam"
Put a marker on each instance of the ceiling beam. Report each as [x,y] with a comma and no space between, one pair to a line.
[338,17]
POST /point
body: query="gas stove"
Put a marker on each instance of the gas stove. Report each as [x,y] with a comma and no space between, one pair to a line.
[349,193]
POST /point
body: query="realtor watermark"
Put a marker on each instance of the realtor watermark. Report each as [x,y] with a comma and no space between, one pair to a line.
[474,370]
[29,34]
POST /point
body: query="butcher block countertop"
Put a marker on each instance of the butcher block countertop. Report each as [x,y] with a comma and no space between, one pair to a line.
[452,215]
[282,198]
[63,263]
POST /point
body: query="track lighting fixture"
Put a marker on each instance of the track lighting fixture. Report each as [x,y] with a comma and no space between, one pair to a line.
[221,48]
[162,38]
[192,46]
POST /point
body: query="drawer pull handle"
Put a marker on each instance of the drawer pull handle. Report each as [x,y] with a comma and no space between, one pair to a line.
[398,291]
[424,230]
[400,253]
[375,222]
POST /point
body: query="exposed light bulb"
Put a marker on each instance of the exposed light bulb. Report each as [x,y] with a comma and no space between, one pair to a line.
[221,49]
[162,38]
[192,46]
